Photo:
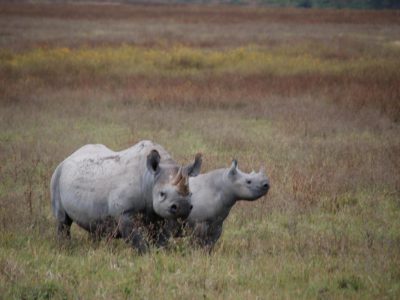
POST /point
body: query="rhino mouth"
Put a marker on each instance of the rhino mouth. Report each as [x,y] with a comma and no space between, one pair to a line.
[180,211]
[263,189]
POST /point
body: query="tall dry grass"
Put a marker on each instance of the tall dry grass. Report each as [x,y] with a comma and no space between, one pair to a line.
[320,113]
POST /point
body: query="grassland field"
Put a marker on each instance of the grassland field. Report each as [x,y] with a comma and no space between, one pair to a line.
[311,95]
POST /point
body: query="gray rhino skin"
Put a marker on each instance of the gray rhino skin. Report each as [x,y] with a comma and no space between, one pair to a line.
[100,189]
[213,195]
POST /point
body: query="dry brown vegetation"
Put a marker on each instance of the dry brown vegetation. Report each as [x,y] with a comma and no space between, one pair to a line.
[200,14]
[312,95]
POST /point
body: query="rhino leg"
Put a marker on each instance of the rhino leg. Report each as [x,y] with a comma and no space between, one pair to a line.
[162,240]
[131,230]
[162,235]
[107,227]
[200,234]
[206,235]
[214,233]
[64,221]
[64,227]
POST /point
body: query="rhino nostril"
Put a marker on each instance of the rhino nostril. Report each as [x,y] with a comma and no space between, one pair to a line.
[173,209]
[266,186]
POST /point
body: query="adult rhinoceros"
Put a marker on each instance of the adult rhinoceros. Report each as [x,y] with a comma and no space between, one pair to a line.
[213,195]
[96,187]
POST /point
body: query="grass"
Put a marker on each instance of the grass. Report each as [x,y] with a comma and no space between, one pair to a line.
[370,79]
[179,60]
[318,109]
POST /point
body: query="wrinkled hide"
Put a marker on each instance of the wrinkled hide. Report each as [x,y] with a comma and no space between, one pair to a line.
[105,191]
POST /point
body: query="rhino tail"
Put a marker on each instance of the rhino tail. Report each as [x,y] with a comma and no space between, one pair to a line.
[55,195]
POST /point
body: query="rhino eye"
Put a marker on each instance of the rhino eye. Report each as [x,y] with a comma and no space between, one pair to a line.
[162,194]
[248,181]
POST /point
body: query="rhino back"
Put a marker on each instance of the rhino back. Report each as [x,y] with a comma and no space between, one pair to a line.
[97,182]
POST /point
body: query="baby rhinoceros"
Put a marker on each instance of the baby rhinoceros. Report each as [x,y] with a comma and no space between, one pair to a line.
[213,195]
[104,191]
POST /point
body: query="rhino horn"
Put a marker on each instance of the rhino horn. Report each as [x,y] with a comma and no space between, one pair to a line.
[178,177]
[183,185]
[262,170]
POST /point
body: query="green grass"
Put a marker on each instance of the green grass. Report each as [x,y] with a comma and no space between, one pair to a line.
[308,243]
[295,256]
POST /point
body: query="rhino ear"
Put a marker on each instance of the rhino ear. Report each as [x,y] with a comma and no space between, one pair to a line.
[193,169]
[233,168]
[153,161]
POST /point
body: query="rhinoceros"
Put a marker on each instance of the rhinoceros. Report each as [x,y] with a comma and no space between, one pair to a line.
[213,195]
[102,190]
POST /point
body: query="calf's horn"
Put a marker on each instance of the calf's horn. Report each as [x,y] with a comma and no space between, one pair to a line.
[262,170]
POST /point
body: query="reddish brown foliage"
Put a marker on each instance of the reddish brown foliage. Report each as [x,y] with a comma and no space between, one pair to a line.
[200,14]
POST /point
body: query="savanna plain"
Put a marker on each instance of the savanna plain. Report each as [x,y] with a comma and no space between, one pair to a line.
[311,95]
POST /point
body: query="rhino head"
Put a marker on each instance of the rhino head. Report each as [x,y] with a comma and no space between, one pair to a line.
[171,194]
[247,186]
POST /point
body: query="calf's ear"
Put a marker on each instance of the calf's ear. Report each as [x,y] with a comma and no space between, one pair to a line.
[233,168]
[193,169]
[153,161]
